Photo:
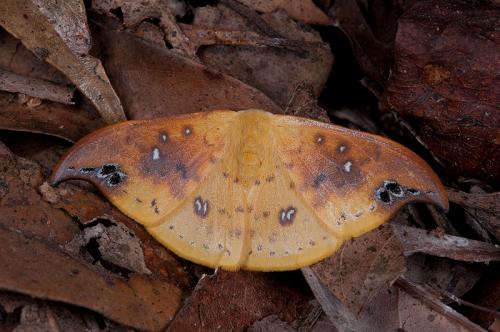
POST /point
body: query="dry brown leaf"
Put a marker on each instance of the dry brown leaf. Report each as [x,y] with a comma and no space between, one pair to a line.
[34,232]
[134,12]
[165,11]
[300,10]
[169,84]
[363,267]
[68,122]
[370,26]
[275,66]
[445,72]
[443,274]
[231,301]
[26,22]
[22,313]
[70,22]
[16,58]
[483,208]
[421,310]
[34,267]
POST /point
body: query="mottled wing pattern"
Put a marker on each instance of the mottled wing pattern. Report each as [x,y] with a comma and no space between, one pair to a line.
[284,232]
[149,168]
[250,189]
[353,181]
[210,226]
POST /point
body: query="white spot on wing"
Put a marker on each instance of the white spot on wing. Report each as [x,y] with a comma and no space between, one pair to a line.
[156,154]
[348,166]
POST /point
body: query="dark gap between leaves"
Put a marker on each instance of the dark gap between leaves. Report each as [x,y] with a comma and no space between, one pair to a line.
[92,247]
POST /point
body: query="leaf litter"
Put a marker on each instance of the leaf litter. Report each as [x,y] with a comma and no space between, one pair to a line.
[424,271]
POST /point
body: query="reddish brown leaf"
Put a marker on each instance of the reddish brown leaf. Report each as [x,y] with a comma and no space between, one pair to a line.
[67,122]
[229,301]
[167,83]
[363,267]
[34,262]
[446,79]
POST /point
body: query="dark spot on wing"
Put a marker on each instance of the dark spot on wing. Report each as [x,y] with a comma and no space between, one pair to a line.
[270,178]
[106,170]
[390,191]
[287,216]
[201,207]
[110,175]
[180,167]
[318,180]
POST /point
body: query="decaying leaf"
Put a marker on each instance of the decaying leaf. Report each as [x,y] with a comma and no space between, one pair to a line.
[165,11]
[483,208]
[168,83]
[28,267]
[371,28]
[445,78]
[196,181]
[23,313]
[25,21]
[34,234]
[298,57]
[421,310]
[301,10]
[241,298]
[362,268]
[68,122]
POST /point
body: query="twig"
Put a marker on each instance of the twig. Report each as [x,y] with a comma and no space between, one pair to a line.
[416,240]
[176,36]
[35,87]
[255,21]
[340,316]
[427,297]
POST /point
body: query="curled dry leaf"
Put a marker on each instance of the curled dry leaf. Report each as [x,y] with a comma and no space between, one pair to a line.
[168,83]
[16,58]
[229,301]
[68,122]
[34,232]
[304,11]
[26,22]
[446,79]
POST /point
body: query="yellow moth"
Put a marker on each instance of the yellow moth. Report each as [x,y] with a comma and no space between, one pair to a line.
[250,189]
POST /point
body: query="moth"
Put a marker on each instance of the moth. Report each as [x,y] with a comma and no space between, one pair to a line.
[250,190]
